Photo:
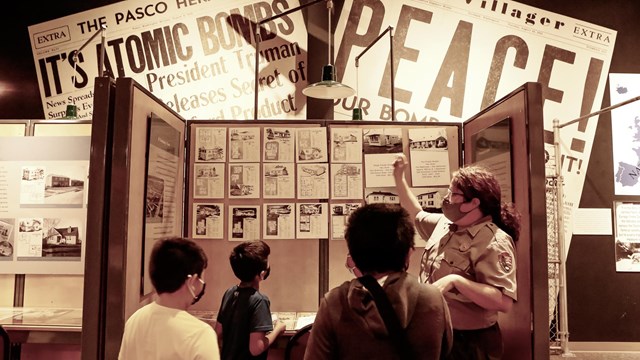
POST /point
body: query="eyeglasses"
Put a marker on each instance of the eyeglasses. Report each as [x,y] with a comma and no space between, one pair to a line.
[451,193]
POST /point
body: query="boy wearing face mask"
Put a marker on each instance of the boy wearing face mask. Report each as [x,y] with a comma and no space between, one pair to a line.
[164,329]
[469,256]
[244,326]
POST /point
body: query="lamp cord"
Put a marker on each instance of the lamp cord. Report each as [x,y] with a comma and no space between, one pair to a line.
[329,8]
[357,81]
[75,73]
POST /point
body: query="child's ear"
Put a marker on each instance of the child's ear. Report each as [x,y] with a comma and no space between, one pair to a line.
[191,278]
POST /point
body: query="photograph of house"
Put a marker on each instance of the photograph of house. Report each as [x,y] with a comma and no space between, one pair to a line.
[65,185]
[381,196]
[32,173]
[379,141]
[61,241]
[430,199]
[210,154]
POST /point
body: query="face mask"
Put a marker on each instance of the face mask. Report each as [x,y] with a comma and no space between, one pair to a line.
[197,298]
[452,211]
[350,265]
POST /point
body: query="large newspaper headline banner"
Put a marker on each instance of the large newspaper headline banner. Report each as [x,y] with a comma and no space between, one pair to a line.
[198,57]
[454,58]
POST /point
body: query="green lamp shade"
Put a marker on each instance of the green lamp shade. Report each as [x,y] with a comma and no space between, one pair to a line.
[328,88]
[71,113]
[356,114]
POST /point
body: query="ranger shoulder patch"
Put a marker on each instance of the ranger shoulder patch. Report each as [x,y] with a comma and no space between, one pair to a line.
[506,261]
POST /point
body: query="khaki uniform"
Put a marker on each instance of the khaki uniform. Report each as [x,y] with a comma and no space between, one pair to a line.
[482,253]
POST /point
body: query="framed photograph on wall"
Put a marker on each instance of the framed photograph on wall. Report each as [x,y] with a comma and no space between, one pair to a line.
[626,217]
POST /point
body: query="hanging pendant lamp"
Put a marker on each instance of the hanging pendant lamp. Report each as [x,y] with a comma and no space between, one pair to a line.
[328,87]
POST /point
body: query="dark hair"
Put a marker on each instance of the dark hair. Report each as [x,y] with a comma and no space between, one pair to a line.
[379,237]
[172,261]
[478,182]
[249,258]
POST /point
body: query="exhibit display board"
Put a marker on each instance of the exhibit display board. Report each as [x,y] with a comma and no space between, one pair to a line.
[294,180]
[43,197]
[294,185]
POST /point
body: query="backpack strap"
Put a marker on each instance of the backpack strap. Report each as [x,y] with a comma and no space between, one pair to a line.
[389,316]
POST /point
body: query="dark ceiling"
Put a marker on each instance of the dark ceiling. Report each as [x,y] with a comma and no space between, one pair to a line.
[19,93]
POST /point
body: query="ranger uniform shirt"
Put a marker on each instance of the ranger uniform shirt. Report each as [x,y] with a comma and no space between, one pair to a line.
[482,252]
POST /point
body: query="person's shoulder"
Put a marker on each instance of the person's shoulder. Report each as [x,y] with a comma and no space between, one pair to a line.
[190,327]
[229,292]
[145,309]
[260,295]
[430,291]
[335,293]
[424,300]
[231,289]
[188,317]
[490,232]
[412,283]
[500,238]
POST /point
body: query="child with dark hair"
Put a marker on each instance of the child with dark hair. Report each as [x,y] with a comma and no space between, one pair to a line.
[349,324]
[244,326]
[164,329]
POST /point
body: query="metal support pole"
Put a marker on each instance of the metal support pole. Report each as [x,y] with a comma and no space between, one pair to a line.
[103,41]
[393,86]
[103,29]
[255,75]
[564,318]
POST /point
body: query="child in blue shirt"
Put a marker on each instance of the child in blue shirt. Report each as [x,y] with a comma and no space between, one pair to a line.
[244,326]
